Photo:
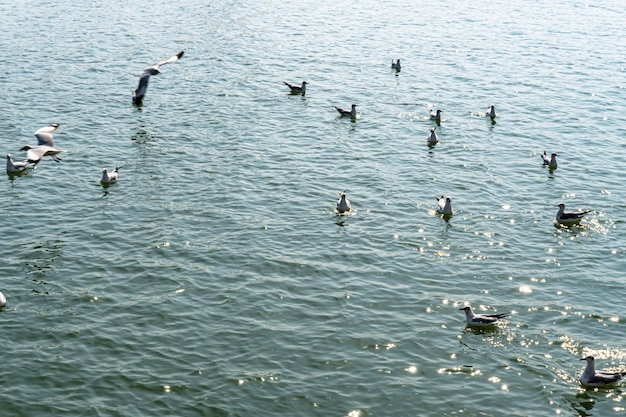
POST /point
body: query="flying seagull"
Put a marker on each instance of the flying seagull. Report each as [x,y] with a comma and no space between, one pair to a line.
[592,378]
[342,112]
[569,218]
[296,89]
[45,145]
[481,320]
[140,92]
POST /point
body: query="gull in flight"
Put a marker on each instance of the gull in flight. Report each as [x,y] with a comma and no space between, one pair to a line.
[395,64]
[481,320]
[296,89]
[140,92]
[342,112]
[592,378]
[569,218]
[436,116]
[343,204]
[432,137]
[109,177]
[444,206]
[549,160]
[15,167]
[45,145]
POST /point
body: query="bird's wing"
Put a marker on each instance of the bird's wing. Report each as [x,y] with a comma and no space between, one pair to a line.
[171,59]
[143,85]
[603,378]
[483,319]
[35,154]
[496,316]
[44,135]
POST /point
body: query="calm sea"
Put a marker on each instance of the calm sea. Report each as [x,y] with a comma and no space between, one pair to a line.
[216,279]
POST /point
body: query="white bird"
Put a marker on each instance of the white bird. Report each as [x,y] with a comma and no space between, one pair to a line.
[395,64]
[3,300]
[109,177]
[45,145]
[342,112]
[140,92]
[551,160]
[15,167]
[492,112]
[436,116]
[444,206]
[592,378]
[296,89]
[343,204]
[569,218]
[481,320]
[432,137]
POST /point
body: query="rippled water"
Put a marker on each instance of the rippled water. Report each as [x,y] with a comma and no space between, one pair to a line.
[215,278]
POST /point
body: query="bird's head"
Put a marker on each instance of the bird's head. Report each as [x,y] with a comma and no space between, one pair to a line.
[588,358]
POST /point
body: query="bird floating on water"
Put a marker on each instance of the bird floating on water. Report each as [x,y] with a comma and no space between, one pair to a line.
[296,89]
[550,161]
[569,218]
[109,177]
[140,92]
[45,145]
[481,320]
[592,378]
[3,300]
[491,112]
[436,116]
[432,137]
[350,113]
[15,167]
[444,206]
[395,64]
[343,204]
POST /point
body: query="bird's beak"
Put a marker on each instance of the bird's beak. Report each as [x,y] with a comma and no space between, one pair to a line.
[583,359]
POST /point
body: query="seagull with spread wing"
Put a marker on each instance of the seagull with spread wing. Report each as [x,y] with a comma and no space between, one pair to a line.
[140,92]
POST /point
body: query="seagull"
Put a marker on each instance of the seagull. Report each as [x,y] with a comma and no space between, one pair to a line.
[492,112]
[436,116]
[395,64]
[351,113]
[3,300]
[550,161]
[140,92]
[432,137]
[481,320]
[109,177]
[45,145]
[15,167]
[569,218]
[592,378]
[343,204]
[444,206]
[295,89]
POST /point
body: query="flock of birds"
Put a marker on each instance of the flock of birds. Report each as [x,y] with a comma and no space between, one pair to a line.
[45,147]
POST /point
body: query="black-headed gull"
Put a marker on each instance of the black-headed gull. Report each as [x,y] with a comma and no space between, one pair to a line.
[592,378]
[432,137]
[481,320]
[569,218]
[444,206]
[109,177]
[140,92]
[343,204]
[45,145]
[349,113]
[491,112]
[436,116]
[395,64]
[297,89]
[15,167]
[549,161]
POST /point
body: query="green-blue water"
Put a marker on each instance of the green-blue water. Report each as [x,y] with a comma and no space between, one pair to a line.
[216,279]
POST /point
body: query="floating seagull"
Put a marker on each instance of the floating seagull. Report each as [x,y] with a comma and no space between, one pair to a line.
[109,177]
[3,300]
[45,145]
[569,218]
[592,378]
[444,206]
[140,92]
[550,161]
[395,64]
[343,204]
[492,112]
[295,89]
[15,167]
[432,137]
[351,113]
[481,320]
[436,116]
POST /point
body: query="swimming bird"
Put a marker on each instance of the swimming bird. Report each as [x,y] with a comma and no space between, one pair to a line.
[550,161]
[109,177]
[492,112]
[395,64]
[569,218]
[45,145]
[342,112]
[432,137]
[481,320]
[436,116]
[444,206]
[343,204]
[3,300]
[296,89]
[592,378]
[15,167]
[140,92]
